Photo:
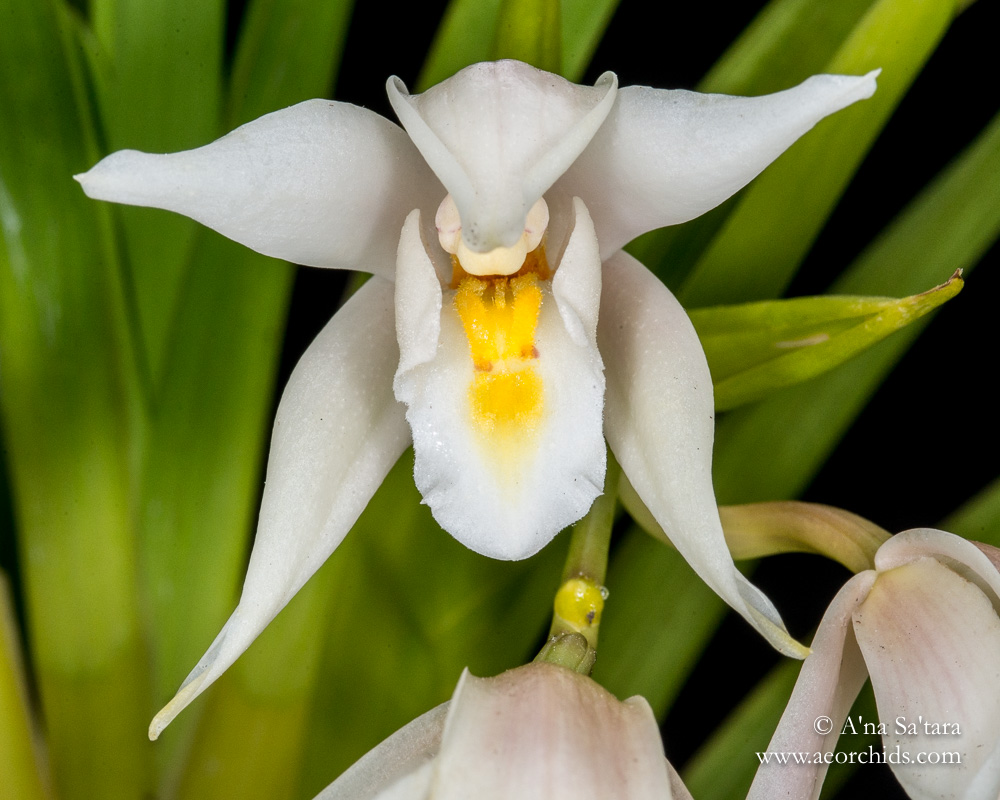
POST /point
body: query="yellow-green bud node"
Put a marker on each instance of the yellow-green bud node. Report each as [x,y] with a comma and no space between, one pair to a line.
[579,602]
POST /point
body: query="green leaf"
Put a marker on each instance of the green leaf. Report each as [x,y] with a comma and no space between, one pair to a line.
[204,455]
[778,217]
[755,348]
[265,698]
[469,28]
[947,227]
[70,411]
[529,30]
[583,25]
[288,51]
[979,518]
[465,36]
[23,772]
[157,68]
[774,52]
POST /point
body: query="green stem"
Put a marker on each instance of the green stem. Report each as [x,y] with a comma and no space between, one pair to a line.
[578,604]
[591,537]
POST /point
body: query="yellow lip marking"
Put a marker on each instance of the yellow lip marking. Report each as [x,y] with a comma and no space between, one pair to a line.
[499,316]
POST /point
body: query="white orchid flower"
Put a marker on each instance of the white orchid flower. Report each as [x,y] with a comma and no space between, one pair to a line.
[500,304]
[924,626]
[538,732]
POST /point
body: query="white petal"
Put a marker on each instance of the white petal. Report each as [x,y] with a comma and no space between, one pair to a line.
[542,731]
[664,157]
[401,764]
[417,299]
[827,686]
[498,135]
[321,183]
[337,433]
[576,285]
[931,640]
[505,497]
[659,422]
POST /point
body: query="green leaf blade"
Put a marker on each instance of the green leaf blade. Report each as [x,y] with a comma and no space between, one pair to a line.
[157,68]
[765,239]
[70,411]
[530,31]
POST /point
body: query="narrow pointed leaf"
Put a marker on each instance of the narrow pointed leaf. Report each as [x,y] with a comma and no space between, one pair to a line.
[772,50]
[23,771]
[529,31]
[465,36]
[69,410]
[764,240]
[755,348]
[157,66]
[287,52]
[205,450]
[583,25]
[469,28]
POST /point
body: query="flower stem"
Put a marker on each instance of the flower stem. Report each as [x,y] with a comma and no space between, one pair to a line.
[578,604]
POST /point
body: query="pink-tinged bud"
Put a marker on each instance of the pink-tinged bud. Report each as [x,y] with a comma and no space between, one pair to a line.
[539,731]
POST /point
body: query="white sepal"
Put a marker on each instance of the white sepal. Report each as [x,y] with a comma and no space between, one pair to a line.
[659,420]
[498,135]
[337,433]
[319,183]
[666,156]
